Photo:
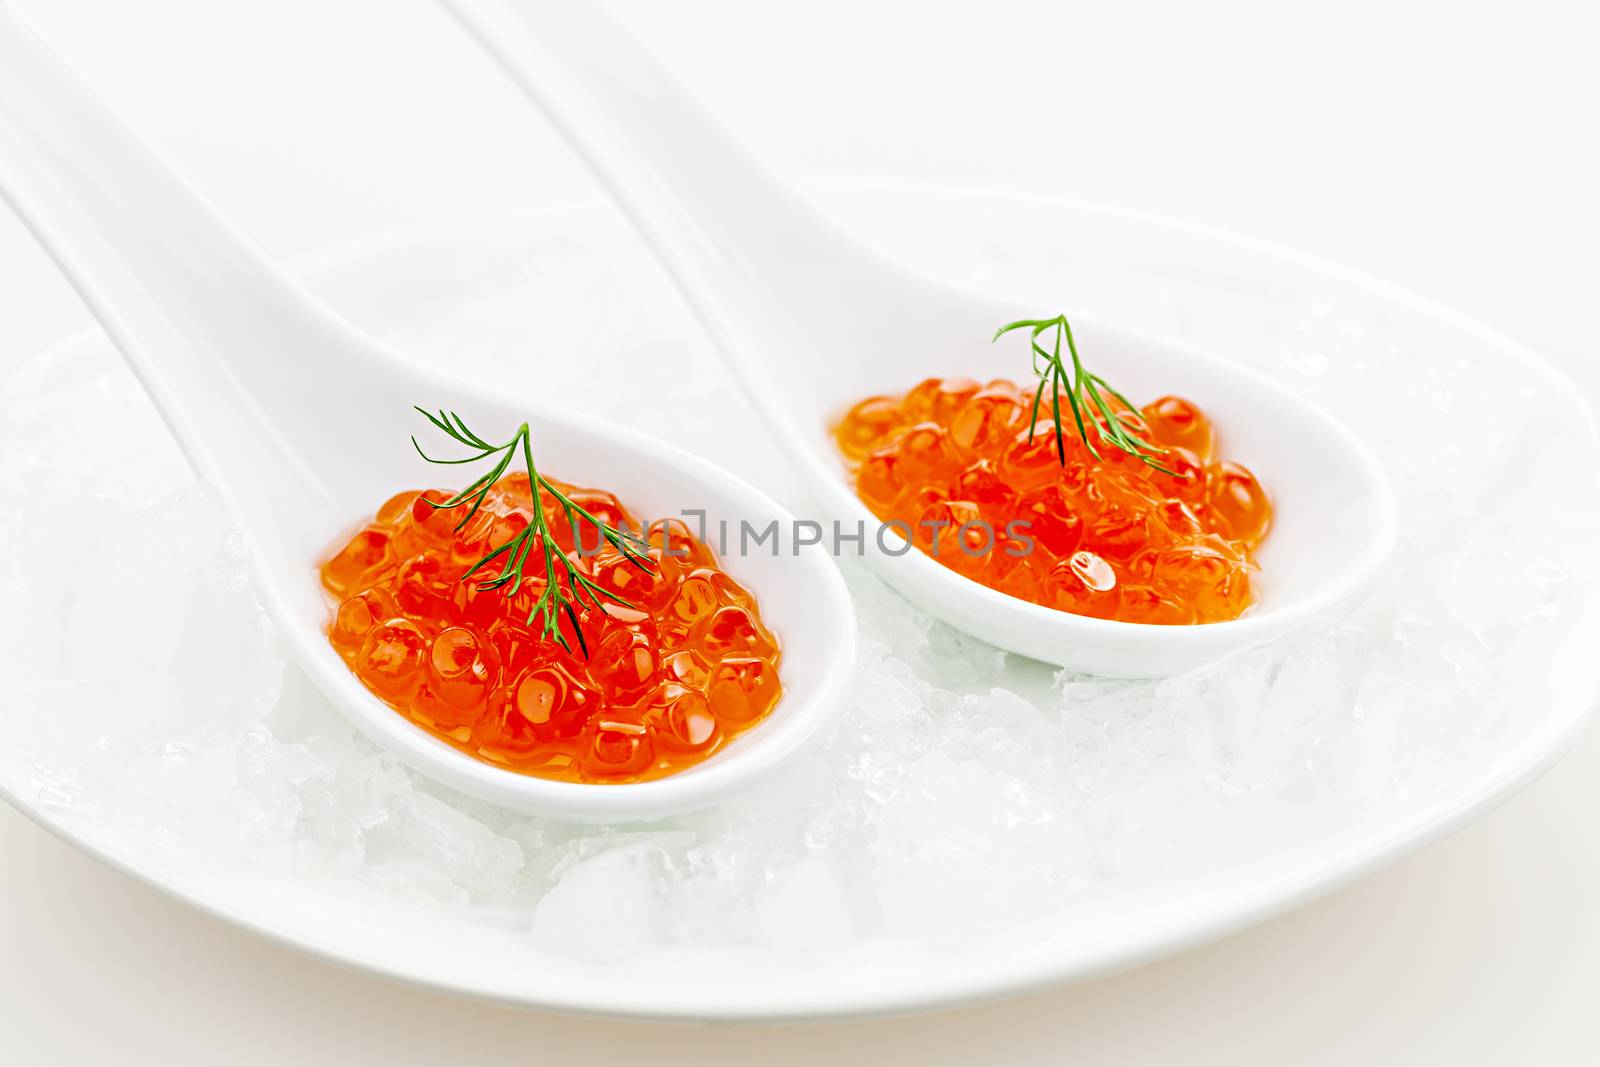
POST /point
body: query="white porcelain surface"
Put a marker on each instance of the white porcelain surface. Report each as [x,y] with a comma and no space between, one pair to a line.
[1173,281]
[302,427]
[814,320]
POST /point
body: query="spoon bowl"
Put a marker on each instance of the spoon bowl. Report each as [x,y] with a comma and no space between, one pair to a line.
[299,424]
[811,320]
[1334,521]
[803,601]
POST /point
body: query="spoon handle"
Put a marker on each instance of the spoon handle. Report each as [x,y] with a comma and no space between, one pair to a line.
[223,342]
[740,243]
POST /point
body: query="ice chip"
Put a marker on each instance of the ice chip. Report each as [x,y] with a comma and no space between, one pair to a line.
[1254,718]
[805,908]
[604,908]
[429,831]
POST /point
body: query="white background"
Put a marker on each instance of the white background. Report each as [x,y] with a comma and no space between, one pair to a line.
[1453,147]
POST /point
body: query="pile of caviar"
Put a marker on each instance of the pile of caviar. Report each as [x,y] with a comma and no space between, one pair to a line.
[665,683]
[954,464]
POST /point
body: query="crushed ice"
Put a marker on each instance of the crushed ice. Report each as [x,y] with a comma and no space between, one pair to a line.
[141,687]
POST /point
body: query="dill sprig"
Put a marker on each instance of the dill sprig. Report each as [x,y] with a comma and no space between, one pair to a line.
[1086,395]
[554,601]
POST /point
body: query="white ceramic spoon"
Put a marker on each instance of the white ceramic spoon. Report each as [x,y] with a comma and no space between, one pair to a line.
[812,320]
[300,424]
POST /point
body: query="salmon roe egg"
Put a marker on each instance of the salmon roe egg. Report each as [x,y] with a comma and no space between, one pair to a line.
[668,679]
[995,499]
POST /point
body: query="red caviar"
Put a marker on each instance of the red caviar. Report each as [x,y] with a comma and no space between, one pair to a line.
[953,464]
[666,683]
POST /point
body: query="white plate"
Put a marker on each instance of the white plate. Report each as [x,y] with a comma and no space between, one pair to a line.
[474,294]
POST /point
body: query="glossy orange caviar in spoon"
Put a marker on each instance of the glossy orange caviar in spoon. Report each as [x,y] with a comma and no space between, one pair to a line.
[666,682]
[1111,537]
